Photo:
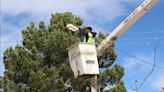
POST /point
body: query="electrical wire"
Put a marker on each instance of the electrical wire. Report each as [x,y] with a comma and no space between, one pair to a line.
[142,60]
[121,42]
[10,41]
[156,44]
[158,32]
[137,43]
[141,38]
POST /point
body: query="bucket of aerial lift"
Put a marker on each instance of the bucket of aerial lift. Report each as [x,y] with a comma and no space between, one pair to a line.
[83,59]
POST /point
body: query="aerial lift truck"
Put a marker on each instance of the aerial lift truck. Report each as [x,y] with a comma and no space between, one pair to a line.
[83,56]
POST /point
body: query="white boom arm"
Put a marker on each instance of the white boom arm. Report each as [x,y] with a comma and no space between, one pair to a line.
[129,21]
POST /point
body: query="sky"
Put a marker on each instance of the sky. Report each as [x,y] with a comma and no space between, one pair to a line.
[135,49]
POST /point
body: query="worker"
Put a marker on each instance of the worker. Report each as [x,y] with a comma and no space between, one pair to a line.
[88,34]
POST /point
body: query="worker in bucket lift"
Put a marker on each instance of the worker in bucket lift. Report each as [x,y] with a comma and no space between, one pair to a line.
[89,35]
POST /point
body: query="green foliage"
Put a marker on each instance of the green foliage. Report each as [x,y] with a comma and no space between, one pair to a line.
[1,82]
[118,88]
[111,77]
[41,63]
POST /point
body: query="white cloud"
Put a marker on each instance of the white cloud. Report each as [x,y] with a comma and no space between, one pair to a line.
[92,11]
[102,9]
[158,81]
[138,70]
[131,63]
[9,33]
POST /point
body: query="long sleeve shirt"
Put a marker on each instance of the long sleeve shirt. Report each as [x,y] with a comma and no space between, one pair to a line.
[83,32]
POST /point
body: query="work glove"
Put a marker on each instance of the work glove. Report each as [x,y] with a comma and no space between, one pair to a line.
[72,27]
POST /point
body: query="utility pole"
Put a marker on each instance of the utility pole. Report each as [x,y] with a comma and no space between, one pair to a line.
[136,86]
[94,84]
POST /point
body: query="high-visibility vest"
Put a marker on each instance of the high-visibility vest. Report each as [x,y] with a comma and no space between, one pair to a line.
[90,38]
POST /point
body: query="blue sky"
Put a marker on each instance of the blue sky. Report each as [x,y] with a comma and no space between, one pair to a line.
[102,16]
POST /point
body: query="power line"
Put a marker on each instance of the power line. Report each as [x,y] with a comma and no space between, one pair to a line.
[140,38]
[142,60]
[156,44]
[137,43]
[10,41]
[147,41]
[146,32]
[124,39]
[158,32]
[127,42]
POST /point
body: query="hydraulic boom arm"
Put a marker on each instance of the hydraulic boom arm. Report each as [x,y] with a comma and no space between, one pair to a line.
[129,21]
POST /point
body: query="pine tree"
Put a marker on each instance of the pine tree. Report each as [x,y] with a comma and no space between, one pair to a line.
[1,82]
[41,64]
